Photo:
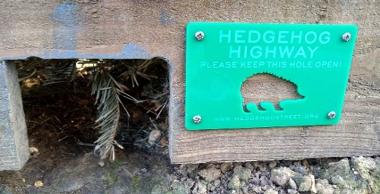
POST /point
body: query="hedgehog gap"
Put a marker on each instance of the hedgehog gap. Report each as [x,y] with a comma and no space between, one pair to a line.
[265,87]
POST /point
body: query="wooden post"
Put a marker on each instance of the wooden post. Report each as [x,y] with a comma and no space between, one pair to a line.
[14,150]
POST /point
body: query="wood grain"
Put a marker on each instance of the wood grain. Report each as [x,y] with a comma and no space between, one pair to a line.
[357,134]
[145,28]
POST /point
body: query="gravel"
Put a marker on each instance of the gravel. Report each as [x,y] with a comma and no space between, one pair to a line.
[319,176]
[210,174]
[281,175]
[154,136]
[149,173]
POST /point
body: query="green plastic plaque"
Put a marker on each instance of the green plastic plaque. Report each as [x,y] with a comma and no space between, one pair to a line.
[220,57]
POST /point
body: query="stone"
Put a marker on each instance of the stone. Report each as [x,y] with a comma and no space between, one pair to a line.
[154,136]
[308,184]
[214,185]
[38,184]
[272,164]
[224,167]
[364,166]
[210,174]
[245,190]
[118,188]
[190,170]
[14,148]
[292,191]
[200,188]
[249,166]
[180,188]
[159,189]
[341,168]
[281,176]
[101,163]
[292,184]
[282,191]
[242,172]
[323,187]
[261,165]
[270,191]
[255,180]
[5,190]
[369,169]
[340,174]
[234,183]
[264,181]
[298,178]
[34,152]
[375,183]
[266,187]
[257,189]
[300,168]
[236,191]
[70,184]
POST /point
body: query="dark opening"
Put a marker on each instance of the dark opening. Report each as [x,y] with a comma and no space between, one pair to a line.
[61,111]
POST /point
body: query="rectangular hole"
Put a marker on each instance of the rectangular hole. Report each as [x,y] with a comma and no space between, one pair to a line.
[61,112]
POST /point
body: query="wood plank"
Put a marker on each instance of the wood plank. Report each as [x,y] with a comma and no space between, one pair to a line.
[357,134]
[139,29]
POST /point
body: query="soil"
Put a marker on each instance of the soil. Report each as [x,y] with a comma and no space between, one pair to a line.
[61,129]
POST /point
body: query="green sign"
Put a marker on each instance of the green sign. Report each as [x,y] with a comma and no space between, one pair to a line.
[220,57]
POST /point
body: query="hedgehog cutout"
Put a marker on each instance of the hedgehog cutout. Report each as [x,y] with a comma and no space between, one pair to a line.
[264,91]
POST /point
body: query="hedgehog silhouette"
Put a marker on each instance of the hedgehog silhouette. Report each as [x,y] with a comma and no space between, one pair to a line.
[266,91]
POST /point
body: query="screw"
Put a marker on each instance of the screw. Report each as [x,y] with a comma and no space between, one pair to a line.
[199,35]
[346,36]
[197,119]
[331,115]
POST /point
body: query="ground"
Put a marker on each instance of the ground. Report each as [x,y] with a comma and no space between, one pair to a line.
[61,131]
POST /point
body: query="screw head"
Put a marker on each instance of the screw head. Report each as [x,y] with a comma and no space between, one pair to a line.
[199,35]
[346,36]
[197,119]
[331,115]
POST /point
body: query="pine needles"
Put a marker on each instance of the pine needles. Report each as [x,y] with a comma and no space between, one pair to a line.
[143,79]
[49,72]
[108,93]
